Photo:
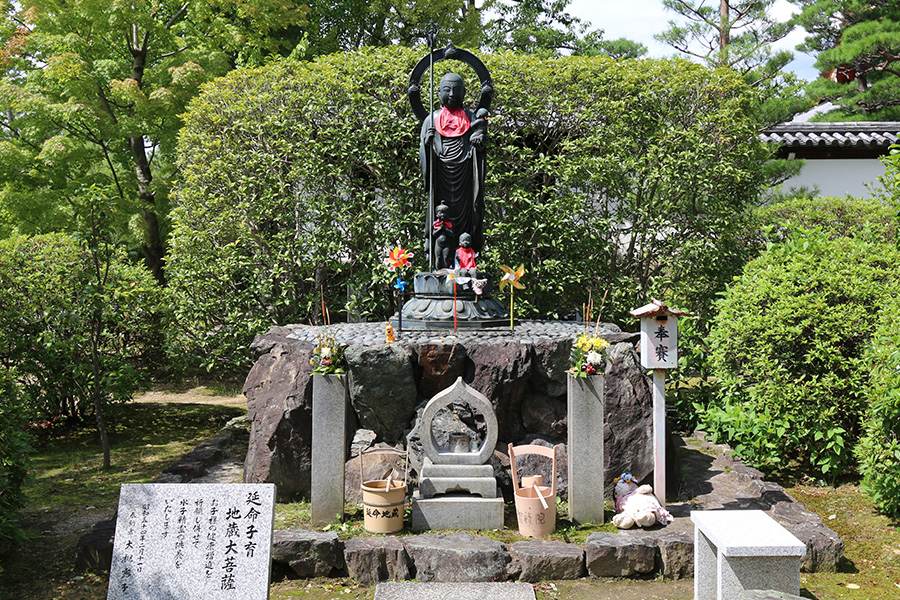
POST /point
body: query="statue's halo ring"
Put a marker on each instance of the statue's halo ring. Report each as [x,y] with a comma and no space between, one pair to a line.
[414,90]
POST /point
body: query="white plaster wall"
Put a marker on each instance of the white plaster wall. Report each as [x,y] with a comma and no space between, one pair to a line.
[839,177]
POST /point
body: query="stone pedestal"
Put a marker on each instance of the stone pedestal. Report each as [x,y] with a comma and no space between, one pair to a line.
[432,306]
[585,448]
[737,550]
[457,490]
[329,417]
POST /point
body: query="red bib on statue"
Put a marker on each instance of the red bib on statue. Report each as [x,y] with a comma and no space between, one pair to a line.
[452,122]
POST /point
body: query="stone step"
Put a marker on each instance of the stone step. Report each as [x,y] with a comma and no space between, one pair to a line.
[454,591]
[484,487]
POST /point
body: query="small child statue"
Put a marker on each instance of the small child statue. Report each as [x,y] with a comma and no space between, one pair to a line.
[465,257]
[442,232]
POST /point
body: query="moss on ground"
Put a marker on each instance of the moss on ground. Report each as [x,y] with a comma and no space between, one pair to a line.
[871,569]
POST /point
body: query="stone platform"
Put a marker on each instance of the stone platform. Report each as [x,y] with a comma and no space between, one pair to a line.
[454,591]
[712,480]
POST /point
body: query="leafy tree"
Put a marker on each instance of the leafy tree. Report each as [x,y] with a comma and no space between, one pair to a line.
[618,48]
[354,24]
[533,26]
[857,45]
[64,352]
[631,176]
[91,92]
[731,33]
[738,34]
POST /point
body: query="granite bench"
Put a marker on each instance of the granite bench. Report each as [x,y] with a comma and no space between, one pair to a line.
[737,550]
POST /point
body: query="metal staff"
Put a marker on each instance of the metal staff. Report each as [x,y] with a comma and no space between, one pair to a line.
[431,35]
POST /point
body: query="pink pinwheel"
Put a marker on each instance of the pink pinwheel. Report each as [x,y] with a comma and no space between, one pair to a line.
[397,258]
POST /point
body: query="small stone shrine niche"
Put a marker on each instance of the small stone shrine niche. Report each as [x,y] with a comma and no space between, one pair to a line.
[457,488]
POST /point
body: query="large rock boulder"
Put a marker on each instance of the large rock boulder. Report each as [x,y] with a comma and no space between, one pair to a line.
[382,388]
[523,373]
[614,555]
[438,366]
[279,404]
[500,371]
[628,416]
[373,559]
[543,560]
[308,553]
[676,552]
[94,549]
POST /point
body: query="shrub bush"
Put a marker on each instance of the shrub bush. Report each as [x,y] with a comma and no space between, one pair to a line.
[788,344]
[14,450]
[868,218]
[625,176]
[878,451]
[45,284]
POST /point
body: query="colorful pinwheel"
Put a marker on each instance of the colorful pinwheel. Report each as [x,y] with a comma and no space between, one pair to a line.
[395,261]
[513,279]
[397,258]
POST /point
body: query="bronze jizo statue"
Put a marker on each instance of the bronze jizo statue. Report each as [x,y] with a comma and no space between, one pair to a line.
[451,153]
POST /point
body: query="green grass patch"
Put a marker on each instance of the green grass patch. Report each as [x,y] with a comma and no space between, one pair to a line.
[320,588]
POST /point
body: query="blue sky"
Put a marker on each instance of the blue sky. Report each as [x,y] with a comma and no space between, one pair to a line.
[639,19]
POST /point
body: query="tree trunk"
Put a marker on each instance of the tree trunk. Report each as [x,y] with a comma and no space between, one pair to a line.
[97,388]
[724,26]
[153,248]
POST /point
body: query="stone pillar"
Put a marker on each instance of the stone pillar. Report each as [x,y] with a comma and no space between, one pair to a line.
[585,448]
[330,398]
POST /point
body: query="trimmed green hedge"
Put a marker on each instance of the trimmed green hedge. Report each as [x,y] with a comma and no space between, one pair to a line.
[868,218]
[878,451]
[630,176]
[789,346]
[14,450]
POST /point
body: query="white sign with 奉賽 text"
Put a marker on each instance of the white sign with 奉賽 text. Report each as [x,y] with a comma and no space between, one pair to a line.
[659,342]
[193,542]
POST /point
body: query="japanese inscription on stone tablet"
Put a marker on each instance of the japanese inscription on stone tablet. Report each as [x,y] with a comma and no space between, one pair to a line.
[193,541]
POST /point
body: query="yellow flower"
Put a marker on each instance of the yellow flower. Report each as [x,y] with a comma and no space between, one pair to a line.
[600,344]
[512,278]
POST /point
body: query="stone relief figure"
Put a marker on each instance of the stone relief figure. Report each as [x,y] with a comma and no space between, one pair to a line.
[451,154]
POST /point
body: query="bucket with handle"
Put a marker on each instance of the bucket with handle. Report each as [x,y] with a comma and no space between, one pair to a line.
[535,502]
[384,499]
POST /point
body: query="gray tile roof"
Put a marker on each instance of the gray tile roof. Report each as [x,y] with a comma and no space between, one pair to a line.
[875,134]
